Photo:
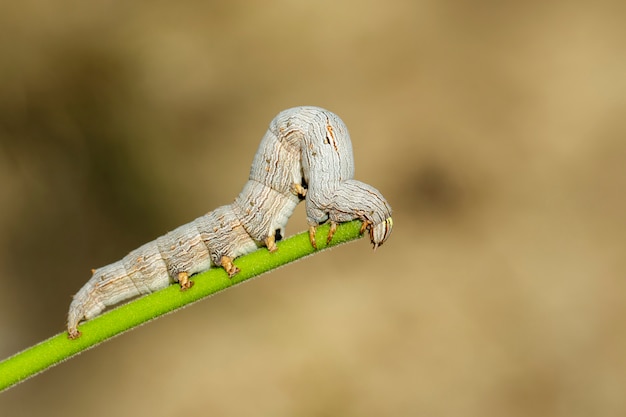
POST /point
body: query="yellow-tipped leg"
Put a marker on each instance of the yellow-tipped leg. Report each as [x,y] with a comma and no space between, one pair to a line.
[184,281]
[364,226]
[299,190]
[229,267]
[73,334]
[312,236]
[270,242]
[331,232]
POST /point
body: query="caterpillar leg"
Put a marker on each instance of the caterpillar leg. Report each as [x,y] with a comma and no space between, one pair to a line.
[299,190]
[312,236]
[184,281]
[331,232]
[364,226]
[270,242]
[229,267]
[73,334]
[378,232]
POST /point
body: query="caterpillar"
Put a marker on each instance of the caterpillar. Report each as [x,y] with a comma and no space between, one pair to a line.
[333,193]
[290,165]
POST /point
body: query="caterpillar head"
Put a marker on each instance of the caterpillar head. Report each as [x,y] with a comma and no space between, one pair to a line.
[354,199]
[379,232]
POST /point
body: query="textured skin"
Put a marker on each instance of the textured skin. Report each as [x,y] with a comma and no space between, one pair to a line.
[263,207]
[328,168]
[303,147]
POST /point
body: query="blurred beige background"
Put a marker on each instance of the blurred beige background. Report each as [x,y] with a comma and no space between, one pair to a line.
[497,132]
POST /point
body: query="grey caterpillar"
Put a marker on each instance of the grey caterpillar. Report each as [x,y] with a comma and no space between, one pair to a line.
[303,146]
[262,208]
[333,194]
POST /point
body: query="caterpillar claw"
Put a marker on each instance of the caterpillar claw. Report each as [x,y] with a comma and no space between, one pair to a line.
[229,266]
[331,232]
[184,281]
[312,230]
[270,243]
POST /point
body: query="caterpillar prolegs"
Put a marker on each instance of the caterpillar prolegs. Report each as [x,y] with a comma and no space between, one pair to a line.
[305,154]
[333,194]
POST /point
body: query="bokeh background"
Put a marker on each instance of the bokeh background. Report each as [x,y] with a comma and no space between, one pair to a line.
[496,130]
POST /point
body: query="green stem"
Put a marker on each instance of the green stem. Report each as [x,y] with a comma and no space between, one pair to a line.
[59,348]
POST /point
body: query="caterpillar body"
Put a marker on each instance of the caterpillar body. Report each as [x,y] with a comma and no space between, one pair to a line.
[333,193]
[305,154]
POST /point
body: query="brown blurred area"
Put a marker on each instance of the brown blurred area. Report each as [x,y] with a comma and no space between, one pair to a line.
[496,130]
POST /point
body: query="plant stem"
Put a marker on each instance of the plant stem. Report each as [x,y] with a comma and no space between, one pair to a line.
[58,348]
